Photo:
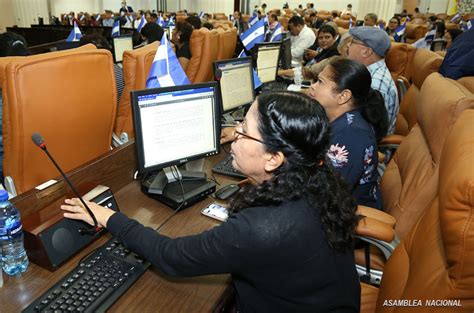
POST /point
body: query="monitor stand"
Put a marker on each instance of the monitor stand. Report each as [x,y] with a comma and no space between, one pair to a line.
[178,189]
[231,119]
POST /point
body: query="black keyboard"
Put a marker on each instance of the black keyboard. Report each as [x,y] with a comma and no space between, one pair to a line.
[225,167]
[95,284]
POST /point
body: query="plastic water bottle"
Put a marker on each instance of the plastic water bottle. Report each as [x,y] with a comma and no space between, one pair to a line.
[14,257]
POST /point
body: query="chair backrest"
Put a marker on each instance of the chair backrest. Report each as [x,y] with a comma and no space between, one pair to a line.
[342,23]
[70,98]
[204,47]
[136,68]
[414,32]
[423,64]
[399,59]
[227,43]
[410,181]
[284,22]
[436,259]
[467,82]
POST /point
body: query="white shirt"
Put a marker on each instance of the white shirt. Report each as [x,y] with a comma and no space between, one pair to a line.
[304,40]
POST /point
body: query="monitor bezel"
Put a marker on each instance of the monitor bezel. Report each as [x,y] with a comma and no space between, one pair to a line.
[245,106]
[138,126]
[113,46]
[266,44]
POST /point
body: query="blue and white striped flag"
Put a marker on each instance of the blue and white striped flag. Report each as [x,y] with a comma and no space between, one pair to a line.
[160,21]
[142,23]
[468,25]
[201,14]
[456,17]
[253,20]
[350,23]
[400,31]
[171,21]
[97,18]
[253,35]
[116,29]
[75,34]
[166,70]
[256,80]
[265,20]
[82,17]
[381,25]
[430,36]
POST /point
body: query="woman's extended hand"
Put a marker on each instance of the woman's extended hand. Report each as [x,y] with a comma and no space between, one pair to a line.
[76,211]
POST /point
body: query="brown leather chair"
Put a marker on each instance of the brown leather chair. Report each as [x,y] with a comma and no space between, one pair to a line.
[414,32]
[284,22]
[342,23]
[399,59]
[435,260]
[410,180]
[204,48]
[227,44]
[467,82]
[56,95]
[136,68]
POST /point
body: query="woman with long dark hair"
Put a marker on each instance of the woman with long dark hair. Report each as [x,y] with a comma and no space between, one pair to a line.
[288,243]
[358,121]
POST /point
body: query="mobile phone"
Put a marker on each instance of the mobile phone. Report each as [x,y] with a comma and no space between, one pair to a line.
[216,211]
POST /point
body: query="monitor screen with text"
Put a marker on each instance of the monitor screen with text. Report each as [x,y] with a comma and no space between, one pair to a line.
[268,55]
[174,125]
[122,44]
[235,77]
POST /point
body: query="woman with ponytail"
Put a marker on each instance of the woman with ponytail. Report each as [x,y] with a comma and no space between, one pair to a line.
[289,242]
[358,121]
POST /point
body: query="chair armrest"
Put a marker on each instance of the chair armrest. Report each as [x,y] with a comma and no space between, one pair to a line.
[391,140]
[375,214]
[375,229]
[404,80]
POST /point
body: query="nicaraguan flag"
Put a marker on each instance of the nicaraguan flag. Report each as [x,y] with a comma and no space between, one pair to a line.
[400,31]
[456,17]
[265,20]
[429,37]
[253,35]
[142,23]
[277,35]
[160,21]
[201,14]
[166,70]
[97,18]
[253,20]
[82,17]
[171,21]
[381,25]
[256,81]
[116,29]
[75,34]
[468,25]
[350,23]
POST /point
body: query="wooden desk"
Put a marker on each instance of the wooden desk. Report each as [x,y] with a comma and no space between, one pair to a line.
[154,291]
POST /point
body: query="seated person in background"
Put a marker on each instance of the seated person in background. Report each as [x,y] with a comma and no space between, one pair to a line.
[239,23]
[437,31]
[272,23]
[393,24]
[302,37]
[327,46]
[138,19]
[153,18]
[450,36]
[294,223]
[181,36]
[208,25]
[109,19]
[348,10]
[369,45]
[370,19]
[101,43]
[11,44]
[194,21]
[151,32]
[358,120]
[315,21]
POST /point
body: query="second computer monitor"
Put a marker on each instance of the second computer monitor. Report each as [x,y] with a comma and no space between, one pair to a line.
[235,77]
[121,44]
[268,56]
[285,54]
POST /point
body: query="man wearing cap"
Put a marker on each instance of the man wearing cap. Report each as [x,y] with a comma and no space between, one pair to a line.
[369,46]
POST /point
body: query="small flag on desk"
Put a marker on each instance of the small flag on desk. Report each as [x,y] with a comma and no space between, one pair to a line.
[160,21]
[75,34]
[253,19]
[253,35]
[456,17]
[201,14]
[166,70]
[116,29]
[430,36]
[277,35]
[142,23]
[350,23]
[97,18]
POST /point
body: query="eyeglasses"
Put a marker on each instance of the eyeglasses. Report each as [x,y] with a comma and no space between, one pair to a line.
[238,134]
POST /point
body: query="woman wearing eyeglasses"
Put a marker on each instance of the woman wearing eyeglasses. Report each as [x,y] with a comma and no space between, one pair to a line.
[288,243]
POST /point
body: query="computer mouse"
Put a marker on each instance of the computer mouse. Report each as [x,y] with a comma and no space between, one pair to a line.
[226,192]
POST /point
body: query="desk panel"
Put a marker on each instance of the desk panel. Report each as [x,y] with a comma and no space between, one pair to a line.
[154,291]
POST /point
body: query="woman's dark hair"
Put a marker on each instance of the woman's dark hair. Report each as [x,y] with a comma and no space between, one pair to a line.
[97,40]
[194,21]
[455,32]
[440,29]
[152,32]
[186,31]
[395,18]
[208,25]
[297,126]
[354,76]
[13,44]
[327,29]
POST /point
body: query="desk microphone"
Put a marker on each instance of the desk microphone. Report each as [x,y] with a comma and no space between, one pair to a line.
[39,141]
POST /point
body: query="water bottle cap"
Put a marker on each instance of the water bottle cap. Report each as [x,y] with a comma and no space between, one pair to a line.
[3,195]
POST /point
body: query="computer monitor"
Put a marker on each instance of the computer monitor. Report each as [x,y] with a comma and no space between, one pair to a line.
[235,77]
[174,125]
[438,45]
[169,31]
[268,55]
[120,45]
[285,54]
